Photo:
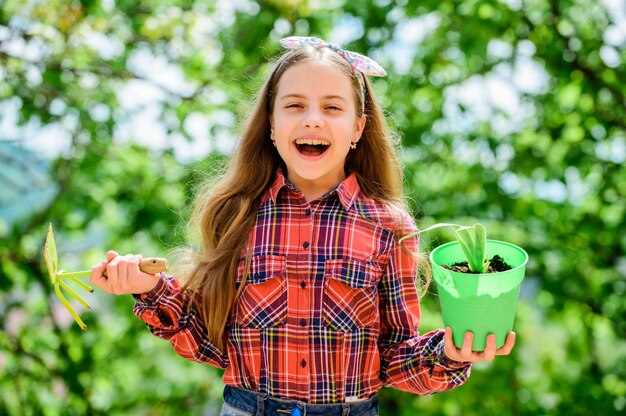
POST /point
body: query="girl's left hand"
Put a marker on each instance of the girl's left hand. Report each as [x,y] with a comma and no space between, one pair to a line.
[123,275]
[465,354]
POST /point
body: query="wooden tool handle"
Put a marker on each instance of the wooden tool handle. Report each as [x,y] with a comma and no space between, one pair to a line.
[153,265]
[150,265]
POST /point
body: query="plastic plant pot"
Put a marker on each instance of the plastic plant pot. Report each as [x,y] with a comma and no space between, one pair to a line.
[481,303]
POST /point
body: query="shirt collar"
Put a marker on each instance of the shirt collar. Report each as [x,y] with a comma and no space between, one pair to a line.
[347,190]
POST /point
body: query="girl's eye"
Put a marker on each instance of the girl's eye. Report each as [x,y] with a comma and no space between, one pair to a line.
[295,105]
[333,107]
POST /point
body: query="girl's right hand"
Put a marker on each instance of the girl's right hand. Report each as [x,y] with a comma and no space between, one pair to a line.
[465,353]
[122,275]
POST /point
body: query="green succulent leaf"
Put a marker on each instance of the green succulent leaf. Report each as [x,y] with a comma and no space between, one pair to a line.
[472,240]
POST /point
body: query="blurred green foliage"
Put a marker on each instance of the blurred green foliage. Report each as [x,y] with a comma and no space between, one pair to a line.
[510,112]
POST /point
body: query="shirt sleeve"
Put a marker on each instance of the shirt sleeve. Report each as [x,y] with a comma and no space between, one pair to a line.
[169,314]
[411,362]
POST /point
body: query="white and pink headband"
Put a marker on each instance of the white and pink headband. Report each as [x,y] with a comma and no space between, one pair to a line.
[358,62]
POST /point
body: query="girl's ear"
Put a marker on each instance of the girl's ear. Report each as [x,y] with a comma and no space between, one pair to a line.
[360,126]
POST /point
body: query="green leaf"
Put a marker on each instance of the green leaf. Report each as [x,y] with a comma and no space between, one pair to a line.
[472,240]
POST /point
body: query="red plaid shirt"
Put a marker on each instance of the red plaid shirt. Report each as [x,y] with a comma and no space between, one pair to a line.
[330,310]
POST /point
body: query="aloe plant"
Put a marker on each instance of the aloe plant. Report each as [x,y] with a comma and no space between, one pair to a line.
[472,239]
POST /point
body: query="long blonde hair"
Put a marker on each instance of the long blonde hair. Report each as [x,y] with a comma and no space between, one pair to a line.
[225,212]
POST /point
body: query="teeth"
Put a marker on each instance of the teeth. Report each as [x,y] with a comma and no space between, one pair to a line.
[313,142]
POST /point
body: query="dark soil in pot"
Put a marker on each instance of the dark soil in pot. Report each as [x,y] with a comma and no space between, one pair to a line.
[496,264]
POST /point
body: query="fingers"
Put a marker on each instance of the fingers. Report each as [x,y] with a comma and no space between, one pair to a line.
[452,352]
[447,336]
[508,345]
[112,270]
[121,271]
[118,274]
[490,351]
[448,345]
[490,348]
[99,274]
[97,278]
[466,349]
[465,354]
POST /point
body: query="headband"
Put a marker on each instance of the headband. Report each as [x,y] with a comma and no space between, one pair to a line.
[358,62]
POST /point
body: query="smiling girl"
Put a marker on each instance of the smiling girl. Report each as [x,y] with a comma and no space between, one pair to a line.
[299,288]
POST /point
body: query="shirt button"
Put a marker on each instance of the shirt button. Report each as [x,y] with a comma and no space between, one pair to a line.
[307,212]
[302,322]
[303,363]
[303,284]
[306,244]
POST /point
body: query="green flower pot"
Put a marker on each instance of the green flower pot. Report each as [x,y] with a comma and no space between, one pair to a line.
[481,303]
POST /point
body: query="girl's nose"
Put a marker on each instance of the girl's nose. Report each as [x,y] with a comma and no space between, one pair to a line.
[313,119]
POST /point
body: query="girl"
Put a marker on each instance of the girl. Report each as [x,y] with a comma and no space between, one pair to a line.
[300,290]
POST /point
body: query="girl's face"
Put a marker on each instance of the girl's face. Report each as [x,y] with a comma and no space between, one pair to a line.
[314,121]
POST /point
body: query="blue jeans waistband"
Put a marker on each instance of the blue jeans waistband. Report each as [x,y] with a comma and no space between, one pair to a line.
[263,405]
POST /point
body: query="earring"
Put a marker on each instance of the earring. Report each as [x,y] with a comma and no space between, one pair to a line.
[353,145]
[274,143]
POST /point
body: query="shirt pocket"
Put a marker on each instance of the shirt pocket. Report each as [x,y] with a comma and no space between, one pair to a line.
[350,299]
[263,301]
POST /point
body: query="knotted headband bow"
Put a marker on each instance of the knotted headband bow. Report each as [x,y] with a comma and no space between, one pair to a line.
[358,62]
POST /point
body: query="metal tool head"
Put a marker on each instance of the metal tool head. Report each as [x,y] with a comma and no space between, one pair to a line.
[51,259]
[50,255]
[147,265]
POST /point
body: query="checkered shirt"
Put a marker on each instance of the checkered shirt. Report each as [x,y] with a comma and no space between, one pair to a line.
[329,312]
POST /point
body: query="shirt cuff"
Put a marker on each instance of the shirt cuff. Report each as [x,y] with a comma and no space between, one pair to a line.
[448,363]
[152,297]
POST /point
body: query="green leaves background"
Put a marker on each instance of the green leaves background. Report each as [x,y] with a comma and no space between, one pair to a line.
[510,113]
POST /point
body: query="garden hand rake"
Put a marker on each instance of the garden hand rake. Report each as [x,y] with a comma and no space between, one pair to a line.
[147,265]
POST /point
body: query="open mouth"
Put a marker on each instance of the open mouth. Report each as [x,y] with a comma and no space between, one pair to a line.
[312,147]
